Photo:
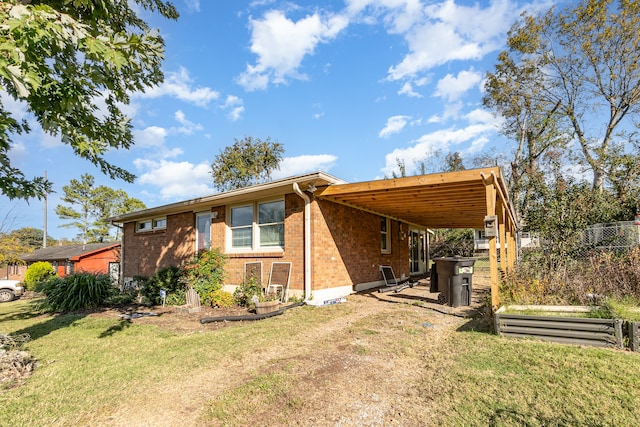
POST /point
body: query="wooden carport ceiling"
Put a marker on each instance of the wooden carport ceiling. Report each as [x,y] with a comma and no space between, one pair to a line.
[442,200]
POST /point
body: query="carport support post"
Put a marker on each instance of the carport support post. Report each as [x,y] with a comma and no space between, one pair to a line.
[503,237]
[491,192]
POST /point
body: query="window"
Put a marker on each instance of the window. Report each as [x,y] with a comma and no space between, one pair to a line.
[160,223]
[143,225]
[385,235]
[151,224]
[257,226]
[203,231]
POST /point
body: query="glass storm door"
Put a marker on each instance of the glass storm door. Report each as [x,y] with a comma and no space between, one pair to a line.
[417,252]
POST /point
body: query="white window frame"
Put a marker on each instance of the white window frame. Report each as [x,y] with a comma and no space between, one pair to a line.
[197,217]
[386,234]
[255,228]
[152,222]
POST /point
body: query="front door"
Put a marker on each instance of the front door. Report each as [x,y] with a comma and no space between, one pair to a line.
[417,251]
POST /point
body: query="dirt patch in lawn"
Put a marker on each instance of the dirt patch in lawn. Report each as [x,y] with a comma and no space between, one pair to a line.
[369,365]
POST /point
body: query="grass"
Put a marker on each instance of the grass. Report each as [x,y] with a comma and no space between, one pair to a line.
[89,366]
[492,381]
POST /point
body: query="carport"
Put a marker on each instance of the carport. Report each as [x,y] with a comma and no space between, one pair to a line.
[475,198]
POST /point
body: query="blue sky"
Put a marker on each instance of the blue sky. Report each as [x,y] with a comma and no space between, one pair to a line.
[346,86]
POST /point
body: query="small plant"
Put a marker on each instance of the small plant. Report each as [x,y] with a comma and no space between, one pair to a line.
[220,299]
[168,279]
[205,272]
[37,273]
[77,291]
[245,293]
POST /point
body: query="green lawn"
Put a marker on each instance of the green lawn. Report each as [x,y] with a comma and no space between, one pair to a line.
[90,366]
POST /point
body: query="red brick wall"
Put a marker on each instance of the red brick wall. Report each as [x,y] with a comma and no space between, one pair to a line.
[147,252]
[293,246]
[346,246]
[13,272]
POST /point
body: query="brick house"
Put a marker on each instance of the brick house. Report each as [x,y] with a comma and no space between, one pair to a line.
[335,235]
[102,258]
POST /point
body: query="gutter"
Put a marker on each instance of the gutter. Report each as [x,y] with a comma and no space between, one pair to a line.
[307,240]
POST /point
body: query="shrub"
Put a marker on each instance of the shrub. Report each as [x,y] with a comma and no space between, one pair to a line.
[77,291]
[220,298]
[37,273]
[451,242]
[583,282]
[166,278]
[205,272]
[245,292]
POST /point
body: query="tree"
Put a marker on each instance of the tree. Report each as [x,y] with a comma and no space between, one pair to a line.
[60,58]
[106,203]
[580,66]
[89,207]
[31,237]
[248,161]
[453,162]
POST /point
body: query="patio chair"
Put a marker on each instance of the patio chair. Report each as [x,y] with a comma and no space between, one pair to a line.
[279,279]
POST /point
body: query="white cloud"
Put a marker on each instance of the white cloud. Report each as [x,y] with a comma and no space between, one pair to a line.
[234,106]
[176,180]
[452,87]
[193,5]
[429,144]
[179,85]
[394,125]
[153,139]
[449,32]
[150,137]
[187,127]
[291,166]
[281,44]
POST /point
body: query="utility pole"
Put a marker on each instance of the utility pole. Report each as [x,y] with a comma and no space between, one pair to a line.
[44,233]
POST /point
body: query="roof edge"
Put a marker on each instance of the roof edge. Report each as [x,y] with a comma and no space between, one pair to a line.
[318,178]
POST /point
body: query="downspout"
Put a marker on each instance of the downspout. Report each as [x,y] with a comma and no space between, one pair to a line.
[307,241]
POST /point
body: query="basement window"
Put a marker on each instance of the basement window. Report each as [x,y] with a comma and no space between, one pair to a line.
[151,224]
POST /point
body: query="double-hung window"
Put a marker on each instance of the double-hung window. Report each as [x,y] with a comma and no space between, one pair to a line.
[257,226]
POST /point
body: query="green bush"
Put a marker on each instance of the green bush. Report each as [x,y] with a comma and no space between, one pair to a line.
[245,292]
[220,298]
[166,278]
[37,273]
[205,272]
[77,291]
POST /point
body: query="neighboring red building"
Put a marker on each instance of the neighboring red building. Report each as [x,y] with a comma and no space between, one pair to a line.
[102,258]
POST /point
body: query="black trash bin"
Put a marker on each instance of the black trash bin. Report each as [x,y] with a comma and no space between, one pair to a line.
[454,277]
[433,279]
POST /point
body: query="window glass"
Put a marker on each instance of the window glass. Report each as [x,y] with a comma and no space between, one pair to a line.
[144,225]
[385,237]
[242,216]
[242,227]
[271,212]
[271,223]
[272,235]
[160,223]
[203,231]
